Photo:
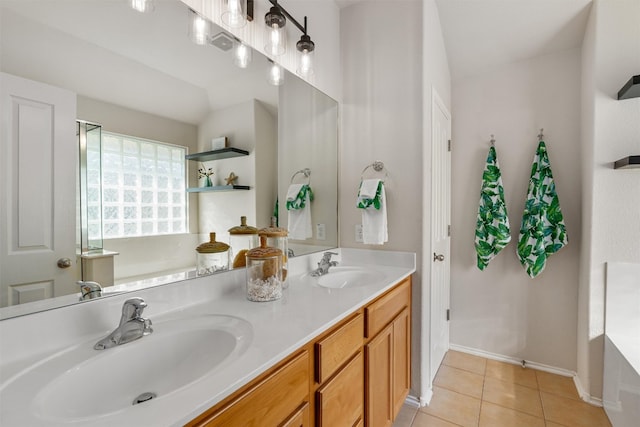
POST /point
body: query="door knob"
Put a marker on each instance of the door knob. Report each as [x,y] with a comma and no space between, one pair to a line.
[64,263]
[438,257]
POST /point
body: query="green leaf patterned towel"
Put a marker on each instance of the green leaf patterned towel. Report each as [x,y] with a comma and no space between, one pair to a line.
[492,227]
[298,201]
[542,232]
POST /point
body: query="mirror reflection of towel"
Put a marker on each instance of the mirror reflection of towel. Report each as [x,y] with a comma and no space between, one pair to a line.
[373,202]
[299,198]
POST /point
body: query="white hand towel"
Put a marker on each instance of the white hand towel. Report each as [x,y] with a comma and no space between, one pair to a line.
[300,221]
[374,221]
[292,192]
[368,188]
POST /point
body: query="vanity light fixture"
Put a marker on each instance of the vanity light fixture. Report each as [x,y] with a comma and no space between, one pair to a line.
[276,74]
[236,13]
[142,6]
[199,28]
[276,37]
[242,54]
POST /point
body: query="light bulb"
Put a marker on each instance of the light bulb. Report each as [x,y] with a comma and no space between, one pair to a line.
[198,29]
[305,66]
[276,75]
[242,55]
[142,6]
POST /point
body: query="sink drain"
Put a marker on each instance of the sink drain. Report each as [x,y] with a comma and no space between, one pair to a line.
[144,397]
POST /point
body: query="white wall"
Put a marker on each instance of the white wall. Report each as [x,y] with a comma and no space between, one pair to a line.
[611,128]
[501,310]
[392,55]
[220,211]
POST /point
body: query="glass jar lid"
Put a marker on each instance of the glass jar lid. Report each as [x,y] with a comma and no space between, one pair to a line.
[264,251]
[243,228]
[273,230]
[212,247]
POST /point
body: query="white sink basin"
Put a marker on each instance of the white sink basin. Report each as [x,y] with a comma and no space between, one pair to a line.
[346,277]
[81,384]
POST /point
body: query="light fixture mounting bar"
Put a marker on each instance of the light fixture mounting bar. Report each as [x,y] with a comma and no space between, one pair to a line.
[288,15]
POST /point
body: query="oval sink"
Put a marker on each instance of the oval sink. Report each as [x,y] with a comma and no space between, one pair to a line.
[82,384]
[343,277]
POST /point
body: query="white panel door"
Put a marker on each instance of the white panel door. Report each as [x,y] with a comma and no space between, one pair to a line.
[440,240]
[38,189]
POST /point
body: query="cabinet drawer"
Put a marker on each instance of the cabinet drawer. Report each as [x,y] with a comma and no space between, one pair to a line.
[382,311]
[338,347]
[269,402]
[300,418]
[340,402]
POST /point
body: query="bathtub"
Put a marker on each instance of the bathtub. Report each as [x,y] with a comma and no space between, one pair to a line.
[621,389]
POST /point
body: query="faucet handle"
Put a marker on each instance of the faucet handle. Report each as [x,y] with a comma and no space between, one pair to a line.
[89,290]
[132,309]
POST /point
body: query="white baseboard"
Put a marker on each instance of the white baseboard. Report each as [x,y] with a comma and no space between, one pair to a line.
[533,365]
[413,401]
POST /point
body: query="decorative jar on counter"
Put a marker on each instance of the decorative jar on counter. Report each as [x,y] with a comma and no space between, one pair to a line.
[277,238]
[264,272]
[242,238]
[212,256]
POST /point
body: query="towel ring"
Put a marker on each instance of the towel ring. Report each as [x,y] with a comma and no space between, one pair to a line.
[377,166]
[306,172]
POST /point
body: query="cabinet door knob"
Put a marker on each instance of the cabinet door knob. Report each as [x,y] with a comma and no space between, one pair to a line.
[437,257]
[64,263]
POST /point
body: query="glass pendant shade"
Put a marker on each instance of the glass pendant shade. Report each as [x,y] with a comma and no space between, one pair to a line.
[276,75]
[276,36]
[142,6]
[234,13]
[305,49]
[199,28]
[242,55]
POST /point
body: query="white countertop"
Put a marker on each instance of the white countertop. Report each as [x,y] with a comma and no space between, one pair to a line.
[279,328]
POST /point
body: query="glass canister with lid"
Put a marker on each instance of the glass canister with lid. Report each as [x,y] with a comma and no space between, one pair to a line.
[277,237]
[212,256]
[242,238]
[264,272]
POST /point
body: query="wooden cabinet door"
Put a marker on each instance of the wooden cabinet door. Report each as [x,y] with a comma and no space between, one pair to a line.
[379,363]
[401,359]
[340,401]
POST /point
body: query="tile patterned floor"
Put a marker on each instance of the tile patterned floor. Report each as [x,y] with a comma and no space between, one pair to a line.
[471,391]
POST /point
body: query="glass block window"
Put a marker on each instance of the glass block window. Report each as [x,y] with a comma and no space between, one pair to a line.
[143,187]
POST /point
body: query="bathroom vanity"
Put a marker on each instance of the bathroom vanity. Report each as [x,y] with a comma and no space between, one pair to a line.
[335,350]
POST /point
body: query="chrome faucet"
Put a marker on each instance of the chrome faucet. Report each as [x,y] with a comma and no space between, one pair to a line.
[89,290]
[132,325]
[324,264]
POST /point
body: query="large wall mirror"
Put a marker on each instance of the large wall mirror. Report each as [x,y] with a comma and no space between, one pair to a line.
[136,95]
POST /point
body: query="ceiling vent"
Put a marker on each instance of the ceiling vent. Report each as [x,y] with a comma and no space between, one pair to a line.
[222,41]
